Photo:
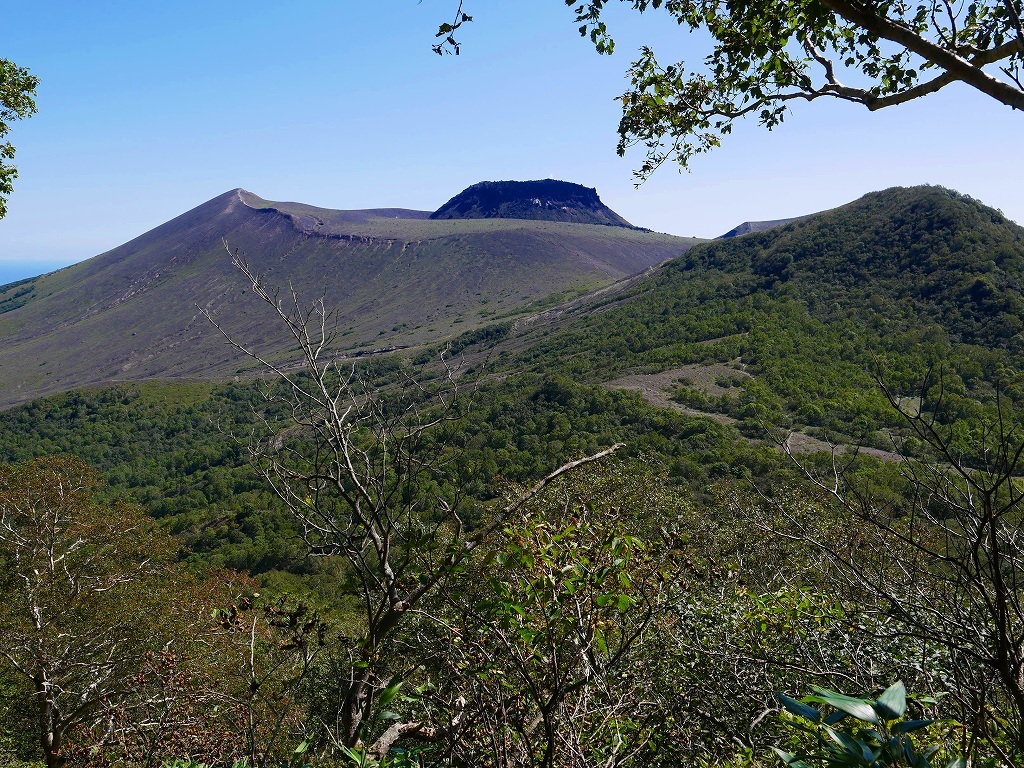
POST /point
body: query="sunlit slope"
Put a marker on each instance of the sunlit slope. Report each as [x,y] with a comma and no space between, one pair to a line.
[795,322]
[394,278]
[891,262]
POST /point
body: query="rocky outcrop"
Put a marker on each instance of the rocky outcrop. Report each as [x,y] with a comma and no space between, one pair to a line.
[546,200]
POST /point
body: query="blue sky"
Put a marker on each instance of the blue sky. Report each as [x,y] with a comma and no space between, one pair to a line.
[147,110]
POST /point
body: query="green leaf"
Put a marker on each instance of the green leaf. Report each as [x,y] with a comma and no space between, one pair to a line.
[859,708]
[790,759]
[799,708]
[892,704]
[389,693]
[835,717]
[853,747]
[910,725]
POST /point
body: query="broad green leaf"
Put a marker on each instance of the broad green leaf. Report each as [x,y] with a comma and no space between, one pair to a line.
[785,756]
[789,759]
[892,704]
[859,708]
[910,725]
[389,693]
[854,747]
[836,717]
[799,708]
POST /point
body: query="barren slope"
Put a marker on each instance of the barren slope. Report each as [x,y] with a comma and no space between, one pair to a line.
[394,277]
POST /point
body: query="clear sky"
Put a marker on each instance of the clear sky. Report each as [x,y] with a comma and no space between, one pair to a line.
[148,109]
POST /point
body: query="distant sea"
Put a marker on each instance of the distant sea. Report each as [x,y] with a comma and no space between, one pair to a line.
[11,271]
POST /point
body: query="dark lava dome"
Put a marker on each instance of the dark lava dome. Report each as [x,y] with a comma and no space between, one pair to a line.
[546,200]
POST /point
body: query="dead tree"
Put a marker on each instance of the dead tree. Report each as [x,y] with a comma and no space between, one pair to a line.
[361,468]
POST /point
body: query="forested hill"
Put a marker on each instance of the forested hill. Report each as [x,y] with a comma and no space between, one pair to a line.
[932,251]
[784,325]
[900,259]
[716,558]
[794,322]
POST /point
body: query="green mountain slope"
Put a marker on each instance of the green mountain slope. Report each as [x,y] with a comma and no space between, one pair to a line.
[782,327]
[938,255]
[395,279]
[793,321]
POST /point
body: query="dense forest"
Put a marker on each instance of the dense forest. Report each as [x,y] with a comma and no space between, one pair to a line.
[661,527]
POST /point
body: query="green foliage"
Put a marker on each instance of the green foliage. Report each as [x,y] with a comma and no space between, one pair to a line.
[270,647]
[751,614]
[879,738]
[881,287]
[16,294]
[90,595]
[764,55]
[357,757]
[17,720]
[171,448]
[17,101]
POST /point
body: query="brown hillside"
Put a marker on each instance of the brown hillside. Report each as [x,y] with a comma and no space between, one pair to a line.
[394,277]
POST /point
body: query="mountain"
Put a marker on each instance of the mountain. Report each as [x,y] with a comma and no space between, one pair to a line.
[919,254]
[747,227]
[395,278]
[910,257]
[547,200]
[791,325]
[784,328]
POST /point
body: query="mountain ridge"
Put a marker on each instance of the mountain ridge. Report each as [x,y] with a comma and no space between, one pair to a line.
[749,227]
[897,261]
[396,278]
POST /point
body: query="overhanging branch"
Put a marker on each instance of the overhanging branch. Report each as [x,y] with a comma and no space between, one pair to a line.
[959,68]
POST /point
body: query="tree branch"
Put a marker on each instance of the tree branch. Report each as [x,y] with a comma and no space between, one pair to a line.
[959,68]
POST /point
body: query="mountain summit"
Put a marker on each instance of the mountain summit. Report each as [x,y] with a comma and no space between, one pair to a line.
[546,200]
[394,279]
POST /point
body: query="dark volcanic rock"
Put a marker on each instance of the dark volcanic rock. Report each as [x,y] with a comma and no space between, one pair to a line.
[547,200]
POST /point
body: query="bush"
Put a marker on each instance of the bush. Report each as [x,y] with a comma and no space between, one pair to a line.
[878,736]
